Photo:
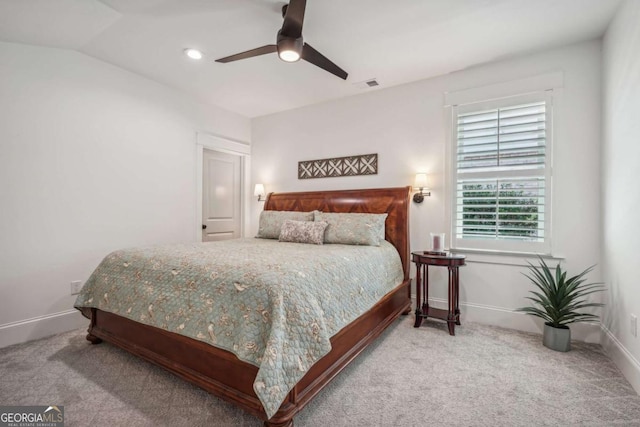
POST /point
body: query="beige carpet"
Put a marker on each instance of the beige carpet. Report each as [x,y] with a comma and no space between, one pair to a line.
[484,376]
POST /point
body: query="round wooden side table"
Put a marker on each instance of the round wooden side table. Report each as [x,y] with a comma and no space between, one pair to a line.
[423,260]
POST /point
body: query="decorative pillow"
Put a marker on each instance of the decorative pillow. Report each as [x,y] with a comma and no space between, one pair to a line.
[271,222]
[303,231]
[353,228]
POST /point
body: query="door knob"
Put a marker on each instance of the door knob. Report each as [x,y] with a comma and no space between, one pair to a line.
[204,226]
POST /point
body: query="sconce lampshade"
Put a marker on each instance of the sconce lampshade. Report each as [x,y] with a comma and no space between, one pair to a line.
[258,190]
[421,181]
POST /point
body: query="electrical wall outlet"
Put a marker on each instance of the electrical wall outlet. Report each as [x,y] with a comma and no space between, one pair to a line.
[76,286]
[634,325]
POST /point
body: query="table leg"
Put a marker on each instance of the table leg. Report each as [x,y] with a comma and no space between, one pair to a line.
[425,290]
[457,283]
[451,318]
[418,321]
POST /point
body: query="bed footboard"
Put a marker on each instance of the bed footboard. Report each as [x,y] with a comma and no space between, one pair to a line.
[223,374]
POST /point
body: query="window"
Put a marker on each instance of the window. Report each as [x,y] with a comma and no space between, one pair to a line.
[502,174]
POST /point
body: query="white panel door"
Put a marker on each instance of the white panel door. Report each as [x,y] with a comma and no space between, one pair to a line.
[221,196]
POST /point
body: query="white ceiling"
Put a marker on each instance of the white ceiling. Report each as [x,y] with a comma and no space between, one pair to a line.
[395,41]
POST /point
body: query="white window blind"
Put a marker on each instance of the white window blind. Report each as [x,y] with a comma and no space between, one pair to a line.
[502,174]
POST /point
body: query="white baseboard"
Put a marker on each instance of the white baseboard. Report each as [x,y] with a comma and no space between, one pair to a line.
[40,327]
[508,318]
[625,361]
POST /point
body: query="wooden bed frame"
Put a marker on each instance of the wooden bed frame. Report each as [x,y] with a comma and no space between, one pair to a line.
[222,373]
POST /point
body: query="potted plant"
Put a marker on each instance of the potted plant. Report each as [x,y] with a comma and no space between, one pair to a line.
[558,301]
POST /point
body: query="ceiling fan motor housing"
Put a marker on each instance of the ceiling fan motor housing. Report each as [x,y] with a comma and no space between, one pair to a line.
[285,43]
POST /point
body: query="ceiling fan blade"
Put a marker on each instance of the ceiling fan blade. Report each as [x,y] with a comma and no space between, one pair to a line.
[294,18]
[270,48]
[309,54]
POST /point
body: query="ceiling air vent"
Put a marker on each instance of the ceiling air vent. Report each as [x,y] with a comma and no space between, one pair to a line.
[367,84]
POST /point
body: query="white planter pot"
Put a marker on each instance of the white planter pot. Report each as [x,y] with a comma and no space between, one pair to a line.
[558,339]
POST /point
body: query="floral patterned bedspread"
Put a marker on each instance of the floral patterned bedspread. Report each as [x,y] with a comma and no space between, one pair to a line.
[272,304]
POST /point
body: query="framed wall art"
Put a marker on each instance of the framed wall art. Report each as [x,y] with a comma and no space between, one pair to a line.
[364,164]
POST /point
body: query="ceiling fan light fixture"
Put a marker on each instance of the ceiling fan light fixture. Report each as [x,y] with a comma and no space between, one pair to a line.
[193,53]
[289,55]
[289,48]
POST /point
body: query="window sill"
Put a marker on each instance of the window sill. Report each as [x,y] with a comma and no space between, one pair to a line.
[520,259]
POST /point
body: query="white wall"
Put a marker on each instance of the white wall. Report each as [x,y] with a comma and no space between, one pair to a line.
[92,158]
[405,125]
[621,192]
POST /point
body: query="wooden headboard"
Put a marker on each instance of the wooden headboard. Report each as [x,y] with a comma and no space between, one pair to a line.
[393,201]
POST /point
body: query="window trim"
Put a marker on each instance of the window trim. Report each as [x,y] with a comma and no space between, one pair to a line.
[501,246]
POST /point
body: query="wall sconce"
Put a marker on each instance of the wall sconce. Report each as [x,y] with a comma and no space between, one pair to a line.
[422,183]
[259,191]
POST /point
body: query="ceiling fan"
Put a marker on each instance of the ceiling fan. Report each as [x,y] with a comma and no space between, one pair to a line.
[289,43]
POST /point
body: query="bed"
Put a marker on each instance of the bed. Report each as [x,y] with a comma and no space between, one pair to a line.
[223,373]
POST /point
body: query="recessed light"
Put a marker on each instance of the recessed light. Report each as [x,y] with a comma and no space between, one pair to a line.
[193,53]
